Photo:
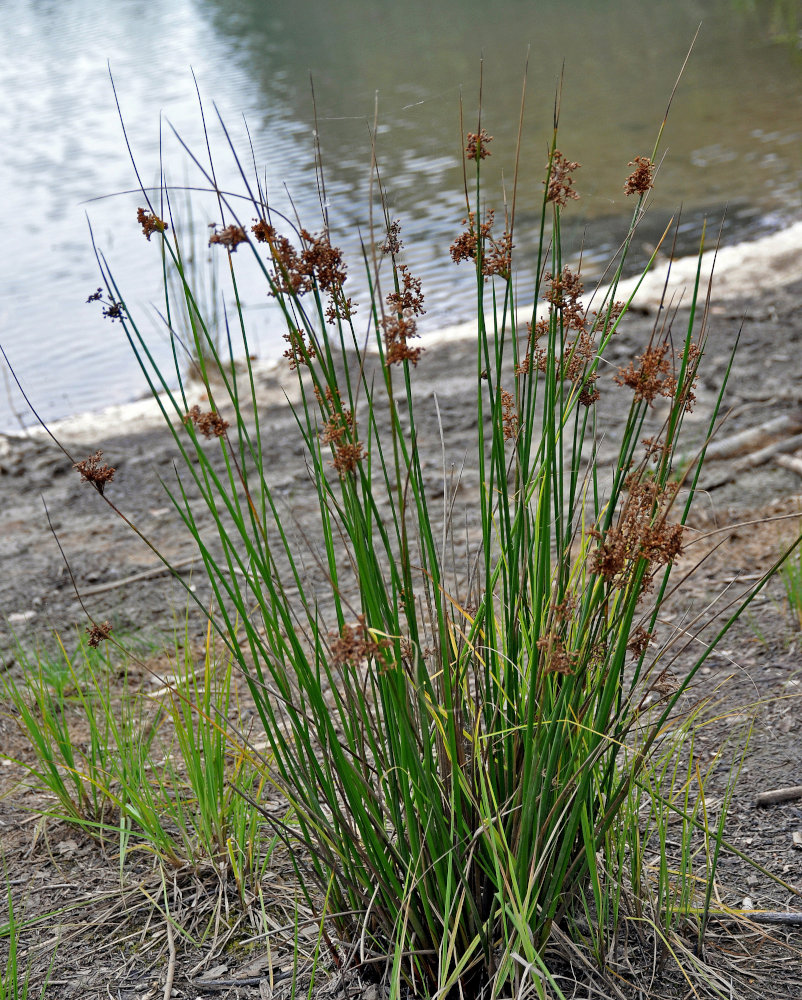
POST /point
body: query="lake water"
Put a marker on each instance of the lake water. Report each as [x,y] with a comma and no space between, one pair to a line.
[734,137]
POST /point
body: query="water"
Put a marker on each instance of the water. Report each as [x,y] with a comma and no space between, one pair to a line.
[734,137]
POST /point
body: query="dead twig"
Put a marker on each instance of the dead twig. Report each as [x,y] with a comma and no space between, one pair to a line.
[146,574]
[776,795]
[168,984]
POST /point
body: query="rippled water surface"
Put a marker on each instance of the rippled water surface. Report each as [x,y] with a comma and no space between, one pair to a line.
[734,136]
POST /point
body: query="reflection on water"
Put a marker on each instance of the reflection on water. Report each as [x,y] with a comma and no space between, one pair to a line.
[734,136]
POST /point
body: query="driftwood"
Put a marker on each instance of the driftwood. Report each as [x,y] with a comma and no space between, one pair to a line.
[791,462]
[146,574]
[754,916]
[755,437]
[764,455]
[779,795]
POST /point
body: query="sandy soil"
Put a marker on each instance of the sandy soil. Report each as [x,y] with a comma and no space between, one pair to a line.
[754,509]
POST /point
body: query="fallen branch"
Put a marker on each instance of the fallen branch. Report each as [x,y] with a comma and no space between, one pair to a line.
[763,455]
[755,437]
[146,574]
[790,462]
[779,795]
[226,984]
[758,916]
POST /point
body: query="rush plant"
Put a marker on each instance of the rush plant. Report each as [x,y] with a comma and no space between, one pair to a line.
[464,728]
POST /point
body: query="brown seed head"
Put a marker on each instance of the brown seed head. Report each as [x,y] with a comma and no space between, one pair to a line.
[555,658]
[476,146]
[113,311]
[150,223]
[651,377]
[230,237]
[560,182]
[642,532]
[210,423]
[299,352]
[400,326]
[95,472]
[509,416]
[393,244]
[263,231]
[639,641]
[98,632]
[355,643]
[641,179]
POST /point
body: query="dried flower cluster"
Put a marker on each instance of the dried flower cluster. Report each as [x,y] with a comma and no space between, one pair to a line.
[560,182]
[476,146]
[639,641]
[98,632]
[209,423]
[230,237]
[400,325]
[653,375]
[317,265]
[393,243]
[641,179]
[150,223]
[554,657]
[354,644]
[112,309]
[300,352]
[563,295]
[95,472]
[338,431]
[496,253]
[642,532]
[509,416]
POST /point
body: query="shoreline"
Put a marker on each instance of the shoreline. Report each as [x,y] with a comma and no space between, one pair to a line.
[742,273]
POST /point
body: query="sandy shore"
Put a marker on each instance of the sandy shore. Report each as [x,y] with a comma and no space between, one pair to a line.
[757,289]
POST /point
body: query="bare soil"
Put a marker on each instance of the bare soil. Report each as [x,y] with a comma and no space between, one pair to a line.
[116,943]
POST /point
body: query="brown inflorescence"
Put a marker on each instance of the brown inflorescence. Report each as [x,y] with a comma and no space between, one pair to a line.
[209,423]
[642,532]
[560,182]
[150,223]
[400,326]
[639,641]
[555,658]
[98,632]
[563,293]
[318,264]
[496,253]
[112,309]
[355,643]
[338,431]
[393,243]
[641,179]
[476,146]
[230,237]
[299,352]
[95,472]
[262,230]
[589,394]
[653,375]
[509,416]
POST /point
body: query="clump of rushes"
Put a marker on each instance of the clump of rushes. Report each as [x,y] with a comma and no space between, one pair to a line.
[465,742]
